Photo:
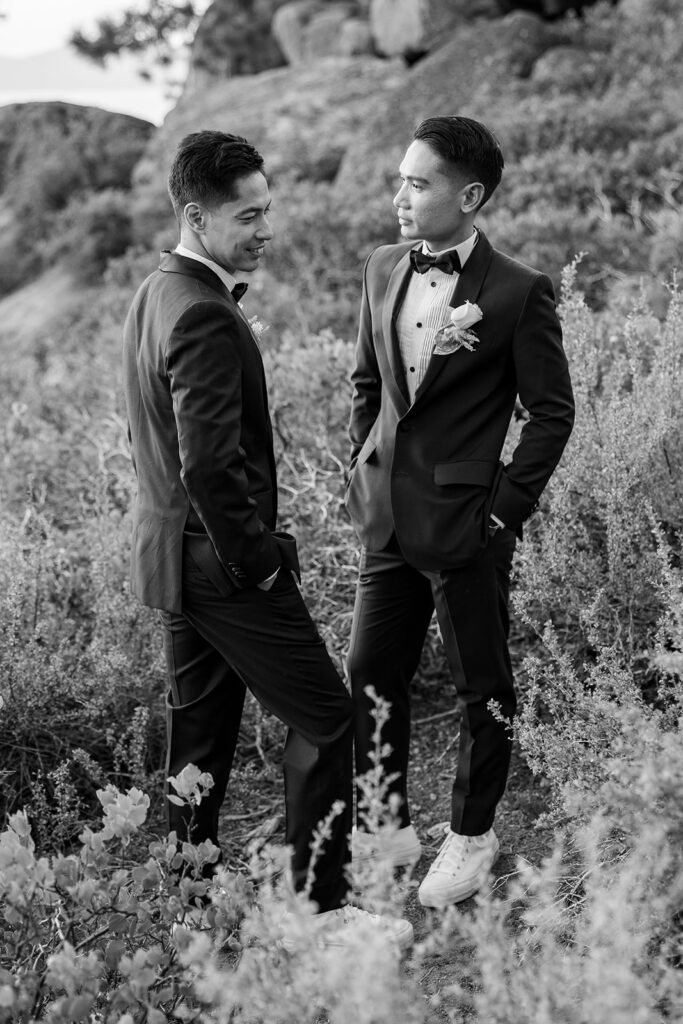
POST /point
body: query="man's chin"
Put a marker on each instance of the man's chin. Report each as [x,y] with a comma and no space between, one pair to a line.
[250,263]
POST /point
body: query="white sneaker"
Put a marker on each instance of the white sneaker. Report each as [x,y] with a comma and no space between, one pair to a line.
[460,868]
[400,847]
[346,926]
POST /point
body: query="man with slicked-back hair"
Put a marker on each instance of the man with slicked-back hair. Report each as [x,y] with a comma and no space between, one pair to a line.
[451,333]
[206,550]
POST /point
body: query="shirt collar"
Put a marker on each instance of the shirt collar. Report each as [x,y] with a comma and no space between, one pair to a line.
[227,279]
[463,249]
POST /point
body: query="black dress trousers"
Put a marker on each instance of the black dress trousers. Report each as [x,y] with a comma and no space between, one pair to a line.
[225,640]
[394,606]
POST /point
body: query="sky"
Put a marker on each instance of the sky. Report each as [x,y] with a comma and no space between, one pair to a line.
[36,26]
[32,27]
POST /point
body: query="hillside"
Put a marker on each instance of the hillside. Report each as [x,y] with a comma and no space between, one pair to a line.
[56,159]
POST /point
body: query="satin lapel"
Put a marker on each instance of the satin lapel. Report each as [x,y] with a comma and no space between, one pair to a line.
[396,288]
[174,263]
[468,287]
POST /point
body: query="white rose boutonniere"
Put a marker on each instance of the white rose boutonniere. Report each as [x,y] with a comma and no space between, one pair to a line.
[257,327]
[457,334]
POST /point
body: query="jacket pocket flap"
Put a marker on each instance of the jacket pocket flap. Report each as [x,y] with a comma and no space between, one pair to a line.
[481,474]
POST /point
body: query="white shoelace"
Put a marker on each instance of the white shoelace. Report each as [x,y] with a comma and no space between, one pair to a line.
[453,851]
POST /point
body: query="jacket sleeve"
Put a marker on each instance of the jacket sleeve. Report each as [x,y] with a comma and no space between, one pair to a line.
[204,366]
[365,378]
[545,391]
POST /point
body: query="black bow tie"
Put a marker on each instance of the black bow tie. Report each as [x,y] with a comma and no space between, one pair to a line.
[239,290]
[448,261]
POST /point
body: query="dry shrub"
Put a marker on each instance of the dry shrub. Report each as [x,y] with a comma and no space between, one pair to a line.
[598,576]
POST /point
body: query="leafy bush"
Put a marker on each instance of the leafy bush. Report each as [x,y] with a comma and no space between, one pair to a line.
[53,155]
[92,231]
[594,933]
[599,577]
[105,935]
[598,591]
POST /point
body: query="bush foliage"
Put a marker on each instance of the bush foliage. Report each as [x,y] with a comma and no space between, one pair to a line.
[597,588]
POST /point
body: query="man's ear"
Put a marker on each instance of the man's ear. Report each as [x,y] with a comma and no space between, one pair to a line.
[195,217]
[472,197]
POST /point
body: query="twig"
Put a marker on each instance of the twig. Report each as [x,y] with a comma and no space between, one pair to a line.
[251,814]
[433,718]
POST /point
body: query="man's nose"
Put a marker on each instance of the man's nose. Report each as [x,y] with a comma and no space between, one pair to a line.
[400,199]
[265,231]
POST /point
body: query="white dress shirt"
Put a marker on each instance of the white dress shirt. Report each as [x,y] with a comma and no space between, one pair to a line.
[227,279]
[425,309]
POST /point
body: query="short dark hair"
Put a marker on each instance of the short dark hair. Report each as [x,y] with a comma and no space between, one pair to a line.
[207,167]
[467,146]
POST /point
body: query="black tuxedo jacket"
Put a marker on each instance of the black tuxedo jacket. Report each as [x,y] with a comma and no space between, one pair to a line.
[431,471]
[200,434]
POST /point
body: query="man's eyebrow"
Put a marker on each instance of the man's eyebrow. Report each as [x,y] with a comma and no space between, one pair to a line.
[413,177]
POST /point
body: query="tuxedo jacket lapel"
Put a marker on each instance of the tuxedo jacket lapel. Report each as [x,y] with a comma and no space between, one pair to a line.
[467,287]
[396,289]
[173,262]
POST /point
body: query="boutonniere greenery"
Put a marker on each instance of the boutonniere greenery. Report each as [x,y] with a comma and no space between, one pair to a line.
[456,333]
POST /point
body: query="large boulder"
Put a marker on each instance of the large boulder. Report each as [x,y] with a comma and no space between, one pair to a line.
[410,28]
[234,37]
[308,29]
[289,27]
[325,31]
[355,38]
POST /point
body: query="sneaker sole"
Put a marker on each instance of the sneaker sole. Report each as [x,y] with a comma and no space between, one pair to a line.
[403,941]
[400,860]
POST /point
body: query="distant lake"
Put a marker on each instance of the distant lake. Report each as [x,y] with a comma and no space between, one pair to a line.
[146,102]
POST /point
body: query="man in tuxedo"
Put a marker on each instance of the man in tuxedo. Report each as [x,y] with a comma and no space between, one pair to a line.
[451,332]
[205,550]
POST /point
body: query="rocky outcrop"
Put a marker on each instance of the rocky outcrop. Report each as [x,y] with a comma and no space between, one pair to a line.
[411,28]
[308,29]
[464,76]
[302,118]
[245,37]
[234,38]
[348,120]
[290,26]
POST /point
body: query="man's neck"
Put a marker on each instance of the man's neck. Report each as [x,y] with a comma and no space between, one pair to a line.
[439,247]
